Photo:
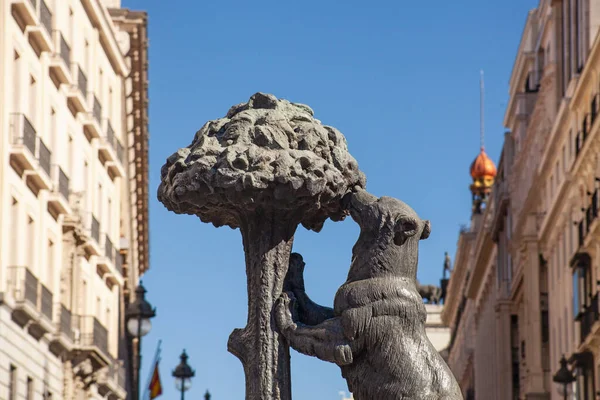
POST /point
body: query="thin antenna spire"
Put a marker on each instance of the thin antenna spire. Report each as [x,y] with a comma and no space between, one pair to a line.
[481,114]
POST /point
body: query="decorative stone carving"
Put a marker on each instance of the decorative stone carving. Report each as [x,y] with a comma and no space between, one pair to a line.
[265,168]
[376,330]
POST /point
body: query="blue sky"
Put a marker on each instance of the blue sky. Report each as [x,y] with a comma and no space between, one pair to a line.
[399,79]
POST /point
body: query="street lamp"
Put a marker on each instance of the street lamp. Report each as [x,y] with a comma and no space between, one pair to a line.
[183,375]
[138,316]
[564,377]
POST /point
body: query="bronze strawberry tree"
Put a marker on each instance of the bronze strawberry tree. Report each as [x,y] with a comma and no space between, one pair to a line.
[265,168]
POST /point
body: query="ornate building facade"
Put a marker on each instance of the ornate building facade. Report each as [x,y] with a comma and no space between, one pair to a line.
[524,291]
[73,194]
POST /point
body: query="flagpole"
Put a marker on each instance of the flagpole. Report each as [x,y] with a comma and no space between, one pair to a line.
[154,362]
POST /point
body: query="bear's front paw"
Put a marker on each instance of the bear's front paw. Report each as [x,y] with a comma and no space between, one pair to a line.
[283,312]
[343,355]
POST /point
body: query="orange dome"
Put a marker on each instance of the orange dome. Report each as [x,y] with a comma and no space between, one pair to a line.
[483,167]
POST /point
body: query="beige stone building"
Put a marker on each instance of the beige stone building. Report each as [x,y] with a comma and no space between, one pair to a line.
[524,291]
[73,194]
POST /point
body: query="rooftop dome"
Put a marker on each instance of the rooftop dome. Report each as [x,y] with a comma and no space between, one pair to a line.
[483,167]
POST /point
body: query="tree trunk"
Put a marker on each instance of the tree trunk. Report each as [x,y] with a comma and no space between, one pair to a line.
[267,240]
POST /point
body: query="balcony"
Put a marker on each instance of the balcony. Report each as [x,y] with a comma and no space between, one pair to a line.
[92,122]
[41,33]
[23,286]
[93,341]
[28,154]
[111,381]
[586,224]
[62,340]
[525,103]
[59,197]
[588,318]
[92,229]
[25,11]
[44,324]
[111,152]
[60,60]
[77,92]
[33,301]
[107,262]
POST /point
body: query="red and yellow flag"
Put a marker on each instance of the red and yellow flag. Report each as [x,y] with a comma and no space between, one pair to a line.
[155,386]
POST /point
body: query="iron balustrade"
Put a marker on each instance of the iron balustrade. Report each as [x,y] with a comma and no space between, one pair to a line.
[97,110]
[66,321]
[24,133]
[93,334]
[590,315]
[46,17]
[65,50]
[119,263]
[30,289]
[95,229]
[46,302]
[63,183]
[44,157]
[23,285]
[590,215]
[82,82]
[110,135]
[108,248]
[120,152]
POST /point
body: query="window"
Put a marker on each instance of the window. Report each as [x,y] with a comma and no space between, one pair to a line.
[16,77]
[109,103]
[50,272]
[30,240]
[85,184]
[99,200]
[12,383]
[14,228]
[32,100]
[84,296]
[29,388]
[69,158]
[109,218]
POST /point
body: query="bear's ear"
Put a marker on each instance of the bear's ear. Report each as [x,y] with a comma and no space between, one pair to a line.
[405,227]
[426,230]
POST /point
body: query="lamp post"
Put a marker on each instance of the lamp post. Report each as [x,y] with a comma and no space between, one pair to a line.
[138,315]
[564,377]
[183,375]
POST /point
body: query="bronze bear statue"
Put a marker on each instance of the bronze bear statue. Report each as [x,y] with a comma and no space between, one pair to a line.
[376,330]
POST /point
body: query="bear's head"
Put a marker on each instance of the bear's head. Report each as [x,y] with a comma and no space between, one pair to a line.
[389,226]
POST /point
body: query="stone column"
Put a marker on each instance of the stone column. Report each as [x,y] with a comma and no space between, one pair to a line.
[534,381]
[504,350]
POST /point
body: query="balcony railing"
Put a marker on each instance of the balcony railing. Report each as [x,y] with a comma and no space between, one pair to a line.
[23,285]
[109,251]
[82,81]
[64,49]
[66,322]
[97,110]
[46,17]
[120,152]
[46,302]
[590,215]
[25,133]
[63,183]
[93,334]
[95,229]
[590,315]
[45,156]
[119,263]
